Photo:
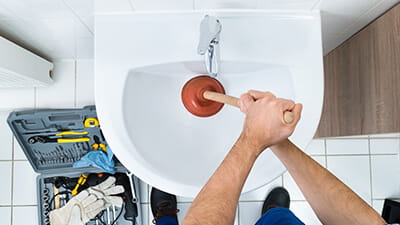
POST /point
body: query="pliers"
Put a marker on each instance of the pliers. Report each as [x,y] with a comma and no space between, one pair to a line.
[98,145]
[63,137]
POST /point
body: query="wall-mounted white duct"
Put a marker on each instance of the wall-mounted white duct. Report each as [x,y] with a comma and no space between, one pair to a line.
[21,68]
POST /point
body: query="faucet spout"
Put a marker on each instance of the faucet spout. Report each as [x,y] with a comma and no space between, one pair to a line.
[210,29]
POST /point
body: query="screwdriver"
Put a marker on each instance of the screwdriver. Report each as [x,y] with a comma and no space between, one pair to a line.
[81,181]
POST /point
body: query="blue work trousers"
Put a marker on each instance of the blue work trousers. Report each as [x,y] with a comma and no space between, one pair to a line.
[274,216]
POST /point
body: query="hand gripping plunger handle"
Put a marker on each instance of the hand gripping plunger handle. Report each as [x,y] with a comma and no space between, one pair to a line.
[288,116]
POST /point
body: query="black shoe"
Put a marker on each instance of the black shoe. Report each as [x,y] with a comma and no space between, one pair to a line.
[163,204]
[278,197]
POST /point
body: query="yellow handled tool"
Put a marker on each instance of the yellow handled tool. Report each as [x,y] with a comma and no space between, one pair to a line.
[71,133]
[91,122]
[72,140]
[81,181]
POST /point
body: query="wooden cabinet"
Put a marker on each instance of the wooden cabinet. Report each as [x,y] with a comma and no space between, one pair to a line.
[362,81]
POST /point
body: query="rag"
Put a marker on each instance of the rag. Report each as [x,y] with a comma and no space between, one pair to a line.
[99,159]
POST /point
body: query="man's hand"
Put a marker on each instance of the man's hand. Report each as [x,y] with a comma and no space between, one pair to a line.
[264,125]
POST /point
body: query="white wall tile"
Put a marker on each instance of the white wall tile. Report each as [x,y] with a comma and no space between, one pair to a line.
[288,4]
[385,146]
[183,208]
[354,171]
[350,137]
[389,135]
[385,176]
[236,217]
[5,12]
[340,14]
[17,98]
[181,199]
[148,5]
[106,6]
[378,205]
[24,192]
[371,15]
[249,212]
[304,212]
[316,147]
[5,174]
[151,217]
[261,193]
[145,214]
[341,19]
[38,9]
[347,146]
[144,192]
[330,42]
[25,215]
[51,38]
[5,137]
[84,83]
[291,186]
[61,93]
[5,215]
[225,4]
[84,10]
[18,152]
[85,48]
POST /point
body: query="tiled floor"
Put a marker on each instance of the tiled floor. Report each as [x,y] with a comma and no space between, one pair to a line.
[368,164]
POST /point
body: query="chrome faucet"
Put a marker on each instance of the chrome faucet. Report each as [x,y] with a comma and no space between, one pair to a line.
[210,28]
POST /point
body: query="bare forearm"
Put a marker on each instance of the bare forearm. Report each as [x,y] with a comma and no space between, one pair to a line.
[217,201]
[332,201]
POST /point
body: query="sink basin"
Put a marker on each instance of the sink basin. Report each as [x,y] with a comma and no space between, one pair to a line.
[138,91]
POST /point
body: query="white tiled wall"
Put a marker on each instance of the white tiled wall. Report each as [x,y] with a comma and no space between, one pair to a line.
[73,87]
[368,164]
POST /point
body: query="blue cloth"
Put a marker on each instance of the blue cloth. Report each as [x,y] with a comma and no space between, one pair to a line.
[279,216]
[99,159]
[167,220]
[274,216]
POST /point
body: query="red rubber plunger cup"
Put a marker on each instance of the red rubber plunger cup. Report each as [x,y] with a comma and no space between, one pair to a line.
[193,99]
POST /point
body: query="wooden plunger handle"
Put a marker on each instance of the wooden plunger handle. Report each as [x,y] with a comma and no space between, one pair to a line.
[288,117]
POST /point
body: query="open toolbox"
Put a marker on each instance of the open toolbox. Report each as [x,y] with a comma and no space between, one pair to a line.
[52,140]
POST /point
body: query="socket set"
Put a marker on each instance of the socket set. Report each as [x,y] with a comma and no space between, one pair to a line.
[52,140]
[61,155]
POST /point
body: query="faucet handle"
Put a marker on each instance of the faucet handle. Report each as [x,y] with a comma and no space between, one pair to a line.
[210,28]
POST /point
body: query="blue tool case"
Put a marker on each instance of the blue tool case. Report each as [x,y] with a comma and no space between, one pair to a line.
[53,140]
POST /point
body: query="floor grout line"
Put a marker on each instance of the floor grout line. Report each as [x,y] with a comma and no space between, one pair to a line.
[238,213]
[365,154]
[370,170]
[24,206]
[12,180]
[75,82]
[35,97]
[6,160]
[381,199]
[357,138]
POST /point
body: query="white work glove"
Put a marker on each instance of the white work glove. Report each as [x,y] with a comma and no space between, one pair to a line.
[88,203]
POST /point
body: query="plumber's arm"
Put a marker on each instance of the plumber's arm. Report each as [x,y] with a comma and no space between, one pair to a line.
[331,200]
[264,126]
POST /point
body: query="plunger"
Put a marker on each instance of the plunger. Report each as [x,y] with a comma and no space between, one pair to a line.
[205,96]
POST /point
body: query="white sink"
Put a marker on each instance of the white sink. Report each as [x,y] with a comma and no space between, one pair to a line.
[143,61]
